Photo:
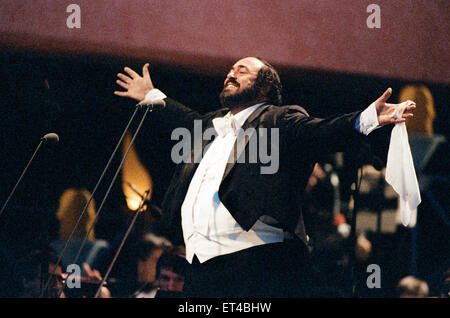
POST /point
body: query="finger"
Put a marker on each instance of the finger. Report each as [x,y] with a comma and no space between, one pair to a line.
[386,95]
[124,78]
[145,72]
[393,120]
[130,72]
[411,107]
[407,115]
[123,84]
[122,94]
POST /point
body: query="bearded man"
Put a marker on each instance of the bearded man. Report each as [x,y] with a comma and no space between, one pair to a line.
[237,222]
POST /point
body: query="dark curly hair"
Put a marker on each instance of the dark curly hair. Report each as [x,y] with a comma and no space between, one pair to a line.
[268,78]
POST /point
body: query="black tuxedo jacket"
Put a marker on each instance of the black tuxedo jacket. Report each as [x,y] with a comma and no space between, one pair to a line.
[245,191]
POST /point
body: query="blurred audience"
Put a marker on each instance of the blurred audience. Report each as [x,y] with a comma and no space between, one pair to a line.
[71,205]
[363,248]
[424,114]
[33,272]
[412,287]
[170,273]
[143,281]
[135,269]
[445,285]
[150,250]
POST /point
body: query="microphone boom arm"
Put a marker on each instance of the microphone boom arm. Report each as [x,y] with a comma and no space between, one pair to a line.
[54,137]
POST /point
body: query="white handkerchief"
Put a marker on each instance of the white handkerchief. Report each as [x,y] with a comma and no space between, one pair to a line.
[400,173]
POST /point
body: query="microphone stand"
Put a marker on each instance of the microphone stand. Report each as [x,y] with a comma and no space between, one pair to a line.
[140,208]
[69,240]
[21,176]
[148,107]
[364,156]
[353,238]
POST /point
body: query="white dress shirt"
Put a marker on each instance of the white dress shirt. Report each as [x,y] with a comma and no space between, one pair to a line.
[209,230]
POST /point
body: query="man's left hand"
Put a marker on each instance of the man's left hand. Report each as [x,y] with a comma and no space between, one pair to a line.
[385,111]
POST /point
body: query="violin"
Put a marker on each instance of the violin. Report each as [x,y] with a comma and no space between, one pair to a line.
[77,286]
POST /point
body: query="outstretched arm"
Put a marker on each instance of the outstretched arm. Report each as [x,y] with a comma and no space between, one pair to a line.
[336,132]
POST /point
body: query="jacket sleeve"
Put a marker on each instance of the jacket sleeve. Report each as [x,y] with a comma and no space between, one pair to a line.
[175,114]
[319,136]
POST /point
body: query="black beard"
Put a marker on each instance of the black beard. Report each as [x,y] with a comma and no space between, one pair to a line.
[247,96]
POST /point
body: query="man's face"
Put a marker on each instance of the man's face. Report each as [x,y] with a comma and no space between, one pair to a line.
[239,84]
[170,281]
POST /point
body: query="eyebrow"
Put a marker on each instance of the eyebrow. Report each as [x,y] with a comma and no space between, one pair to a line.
[241,66]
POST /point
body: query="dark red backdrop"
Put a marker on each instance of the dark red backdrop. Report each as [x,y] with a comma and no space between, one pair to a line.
[412,43]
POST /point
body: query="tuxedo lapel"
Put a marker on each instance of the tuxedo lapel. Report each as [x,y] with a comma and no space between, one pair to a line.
[188,169]
[243,139]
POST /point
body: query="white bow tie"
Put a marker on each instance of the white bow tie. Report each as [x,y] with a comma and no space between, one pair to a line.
[224,125]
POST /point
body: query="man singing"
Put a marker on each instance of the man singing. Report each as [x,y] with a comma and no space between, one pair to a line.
[237,219]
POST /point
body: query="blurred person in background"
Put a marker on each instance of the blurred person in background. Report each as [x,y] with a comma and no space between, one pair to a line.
[170,274]
[33,271]
[412,287]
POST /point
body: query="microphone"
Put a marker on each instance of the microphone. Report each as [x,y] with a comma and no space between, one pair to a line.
[152,103]
[51,138]
[155,211]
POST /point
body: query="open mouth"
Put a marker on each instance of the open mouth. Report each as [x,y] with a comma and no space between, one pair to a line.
[231,83]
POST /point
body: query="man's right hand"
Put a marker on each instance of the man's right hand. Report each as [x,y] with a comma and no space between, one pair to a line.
[136,86]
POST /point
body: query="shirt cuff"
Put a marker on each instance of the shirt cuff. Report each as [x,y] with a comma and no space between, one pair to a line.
[154,94]
[367,121]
